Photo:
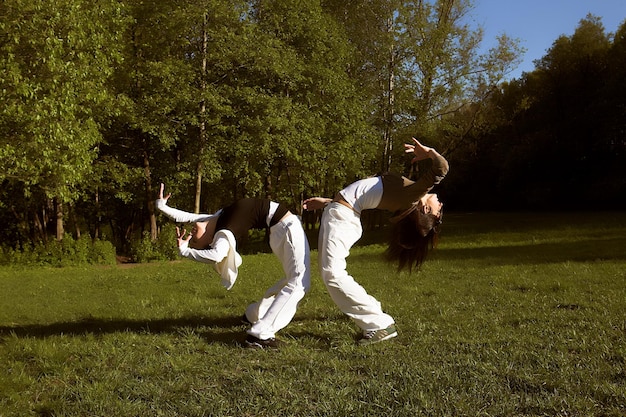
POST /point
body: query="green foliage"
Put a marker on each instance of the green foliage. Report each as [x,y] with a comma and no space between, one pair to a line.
[224,99]
[420,66]
[162,249]
[515,315]
[555,137]
[102,252]
[292,114]
[68,252]
[55,59]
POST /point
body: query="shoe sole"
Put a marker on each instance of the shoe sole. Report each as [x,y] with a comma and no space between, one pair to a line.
[257,345]
[370,342]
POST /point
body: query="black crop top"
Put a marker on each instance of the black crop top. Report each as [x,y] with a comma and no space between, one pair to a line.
[246,214]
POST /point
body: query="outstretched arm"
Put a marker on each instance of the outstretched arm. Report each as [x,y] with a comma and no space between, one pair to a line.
[440,164]
[432,174]
[216,253]
[316,203]
[179,216]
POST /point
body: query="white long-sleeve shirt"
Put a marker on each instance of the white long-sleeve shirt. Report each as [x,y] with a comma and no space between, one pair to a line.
[222,253]
[181,216]
[216,253]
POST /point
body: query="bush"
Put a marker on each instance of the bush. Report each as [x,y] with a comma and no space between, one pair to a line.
[102,252]
[67,252]
[162,249]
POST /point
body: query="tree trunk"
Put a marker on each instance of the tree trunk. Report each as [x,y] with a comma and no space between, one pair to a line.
[388,114]
[98,220]
[71,211]
[39,229]
[58,209]
[200,167]
[149,196]
[196,206]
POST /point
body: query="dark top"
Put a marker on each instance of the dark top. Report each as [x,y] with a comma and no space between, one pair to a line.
[246,214]
[399,192]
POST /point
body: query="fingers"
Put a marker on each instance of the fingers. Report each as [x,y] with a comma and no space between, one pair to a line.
[416,148]
[410,147]
[161,193]
[310,204]
[417,144]
[180,237]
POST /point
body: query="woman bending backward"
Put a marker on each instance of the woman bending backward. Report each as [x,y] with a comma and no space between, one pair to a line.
[213,239]
[416,217]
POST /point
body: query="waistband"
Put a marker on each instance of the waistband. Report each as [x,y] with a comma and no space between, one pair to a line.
[345,207]
[270,213]
[340,200]
[275,214]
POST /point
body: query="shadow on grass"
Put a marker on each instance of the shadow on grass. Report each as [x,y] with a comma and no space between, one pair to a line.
[214,329]
[222,330]
[589,250]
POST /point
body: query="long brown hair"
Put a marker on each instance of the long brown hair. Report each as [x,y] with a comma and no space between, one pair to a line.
[414,233]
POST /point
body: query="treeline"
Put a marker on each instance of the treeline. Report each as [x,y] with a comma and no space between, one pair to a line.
[556,137]
[221,99]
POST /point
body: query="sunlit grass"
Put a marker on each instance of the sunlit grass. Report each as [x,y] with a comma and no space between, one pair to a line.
[514,315]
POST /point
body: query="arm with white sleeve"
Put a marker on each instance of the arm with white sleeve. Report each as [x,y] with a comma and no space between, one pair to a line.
[177,215]
[222,254]
[218,251]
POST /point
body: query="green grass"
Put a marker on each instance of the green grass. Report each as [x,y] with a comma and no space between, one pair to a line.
[514,315]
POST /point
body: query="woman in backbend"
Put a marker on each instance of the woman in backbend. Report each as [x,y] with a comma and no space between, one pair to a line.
[213,239]
[416,217]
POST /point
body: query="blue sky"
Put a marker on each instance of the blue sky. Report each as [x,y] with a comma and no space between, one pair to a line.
[538,23]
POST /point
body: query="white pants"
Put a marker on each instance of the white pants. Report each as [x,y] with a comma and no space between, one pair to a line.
[279,304]
[340,229]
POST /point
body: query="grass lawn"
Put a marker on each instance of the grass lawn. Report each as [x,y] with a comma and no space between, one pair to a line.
[514,315]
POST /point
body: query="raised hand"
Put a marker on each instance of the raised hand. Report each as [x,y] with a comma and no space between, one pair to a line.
[421,152]
[180,236]
[161,193]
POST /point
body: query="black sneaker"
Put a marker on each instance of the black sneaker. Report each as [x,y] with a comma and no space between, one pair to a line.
[256,343]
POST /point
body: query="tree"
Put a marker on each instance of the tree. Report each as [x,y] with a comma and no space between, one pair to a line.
[568,88]
[156,87]
[55,59]
[543,141]
[295,113]
[421,60]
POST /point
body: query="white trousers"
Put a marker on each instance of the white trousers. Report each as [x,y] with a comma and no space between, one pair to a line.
[279,303]
[340,228]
